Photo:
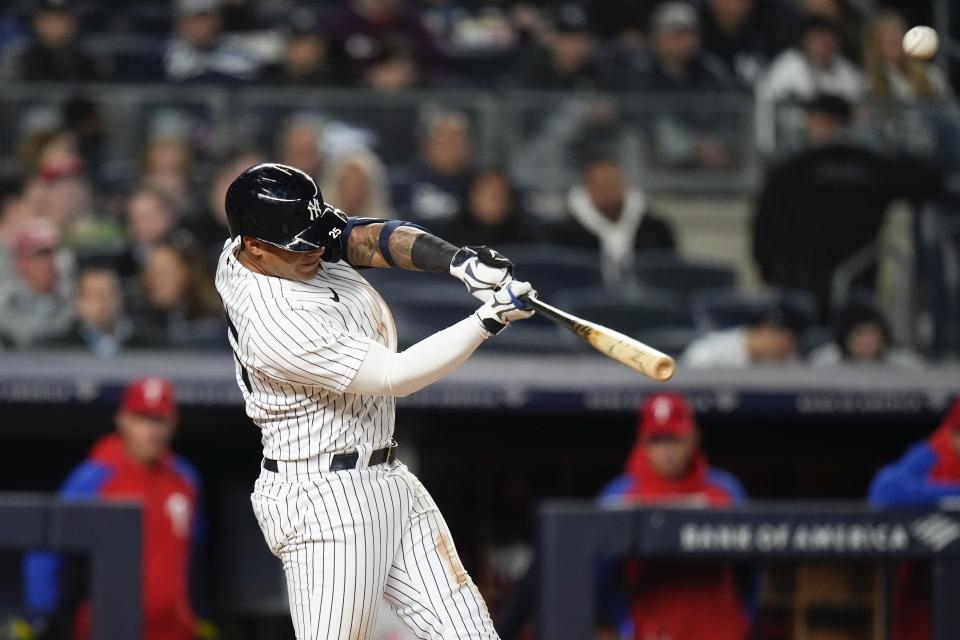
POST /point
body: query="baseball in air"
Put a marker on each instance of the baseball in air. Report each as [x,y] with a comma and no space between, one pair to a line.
[921,43]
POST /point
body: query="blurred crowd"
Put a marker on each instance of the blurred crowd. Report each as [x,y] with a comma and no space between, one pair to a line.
[777,47]
[111,259]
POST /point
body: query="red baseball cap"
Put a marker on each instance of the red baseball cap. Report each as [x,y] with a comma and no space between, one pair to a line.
[665,414]
[952,419]
[150,397]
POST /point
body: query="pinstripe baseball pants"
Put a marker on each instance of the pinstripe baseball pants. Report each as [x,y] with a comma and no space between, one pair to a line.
[349,538]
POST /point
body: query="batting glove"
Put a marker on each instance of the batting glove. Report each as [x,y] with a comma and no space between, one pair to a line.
[482,269]
[505,306]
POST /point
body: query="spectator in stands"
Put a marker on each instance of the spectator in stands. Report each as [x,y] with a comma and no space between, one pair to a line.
[166,163]
[59,190]
[209,228]
[678,63]
[151,217]
[890,73]
[551,155]
[436,188]
[894,76]
[135,462]
[667,467]
[846,14]
[774,337]
[49,151]
[199,53]
[101,325]
[304,60]
[357,183]
[814,66]
[472,29]
[360,31]
[926,477]
[862,336]
[52,52]
[14,213]
[394,68]
[681,134]
[607,213]
[743,34]
[624,20]
[176,304]
[833,185]
[490,213]
[35,300]
[301,145]
[567,59]
[67,200]
[85,120]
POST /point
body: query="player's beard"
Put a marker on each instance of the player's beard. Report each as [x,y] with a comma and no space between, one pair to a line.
[308,271]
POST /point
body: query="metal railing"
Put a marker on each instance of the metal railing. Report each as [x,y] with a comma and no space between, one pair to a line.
[542,137]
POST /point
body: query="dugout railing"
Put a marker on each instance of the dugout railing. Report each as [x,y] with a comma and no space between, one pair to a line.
[574,535]
[109,534]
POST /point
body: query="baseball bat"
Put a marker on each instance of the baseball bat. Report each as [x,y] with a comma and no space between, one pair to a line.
[654,364]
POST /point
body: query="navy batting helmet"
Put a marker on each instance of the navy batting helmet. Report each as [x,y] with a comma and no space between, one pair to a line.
[282,206]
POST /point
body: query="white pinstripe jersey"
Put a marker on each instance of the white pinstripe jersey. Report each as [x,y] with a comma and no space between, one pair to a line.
[297,346]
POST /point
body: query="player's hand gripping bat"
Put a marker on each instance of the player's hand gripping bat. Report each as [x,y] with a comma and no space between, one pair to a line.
[613,344]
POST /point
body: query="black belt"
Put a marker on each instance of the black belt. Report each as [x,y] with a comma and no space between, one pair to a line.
[344,461]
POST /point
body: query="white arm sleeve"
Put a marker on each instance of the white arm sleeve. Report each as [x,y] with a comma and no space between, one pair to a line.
[386,373]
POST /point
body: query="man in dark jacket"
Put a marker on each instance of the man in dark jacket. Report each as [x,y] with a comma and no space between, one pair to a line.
[52,54]
[567,59]
[822,205]
[744,34]
[361,30]
[682,132]
[101,325]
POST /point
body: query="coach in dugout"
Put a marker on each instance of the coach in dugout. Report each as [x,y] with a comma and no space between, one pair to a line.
[668,599]
[133,463]
[927,476]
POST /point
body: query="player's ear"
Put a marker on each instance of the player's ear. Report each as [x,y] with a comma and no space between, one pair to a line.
[252,246]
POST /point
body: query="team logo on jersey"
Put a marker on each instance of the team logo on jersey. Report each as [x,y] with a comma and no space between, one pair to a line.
[314,209]
[152,390]
[662,408]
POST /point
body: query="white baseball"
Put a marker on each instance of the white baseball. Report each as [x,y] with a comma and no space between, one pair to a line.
[921,42]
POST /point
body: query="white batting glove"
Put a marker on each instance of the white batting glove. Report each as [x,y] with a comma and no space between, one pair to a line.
[482,269]
[505,307]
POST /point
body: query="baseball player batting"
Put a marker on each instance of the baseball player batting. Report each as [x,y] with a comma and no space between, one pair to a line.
[316,362]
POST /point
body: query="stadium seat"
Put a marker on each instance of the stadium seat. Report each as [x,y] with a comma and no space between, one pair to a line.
[657,317]
[421,309]
[660,269]
[715,309]
[550,269]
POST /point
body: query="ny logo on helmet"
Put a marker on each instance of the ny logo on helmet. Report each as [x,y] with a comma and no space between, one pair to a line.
[314,209]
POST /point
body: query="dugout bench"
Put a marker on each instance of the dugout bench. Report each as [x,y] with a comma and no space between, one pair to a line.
[573,535]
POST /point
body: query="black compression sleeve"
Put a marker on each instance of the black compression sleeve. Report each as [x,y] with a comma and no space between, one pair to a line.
[430,253]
